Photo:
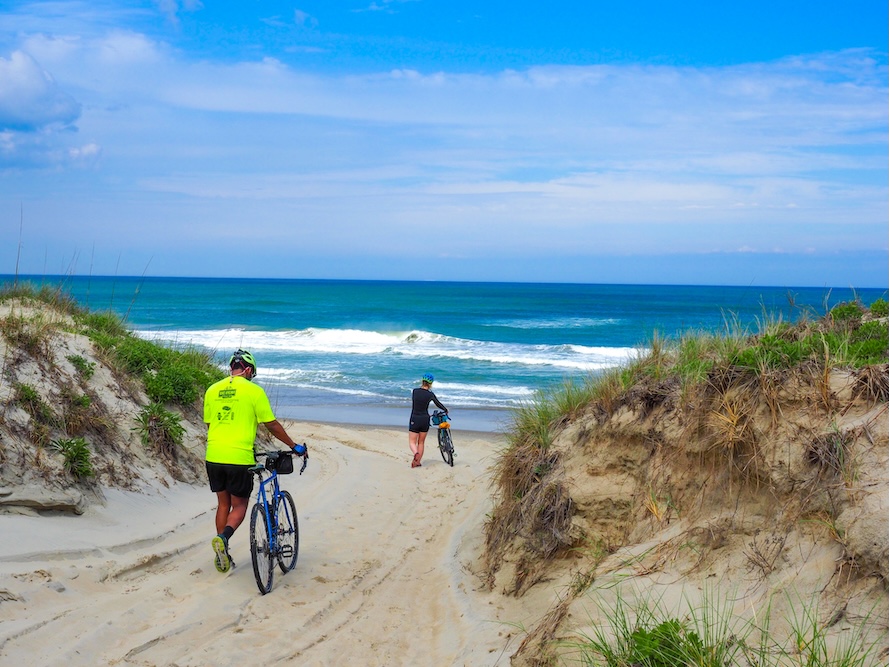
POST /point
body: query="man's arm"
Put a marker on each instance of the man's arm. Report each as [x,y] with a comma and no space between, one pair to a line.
[278,431]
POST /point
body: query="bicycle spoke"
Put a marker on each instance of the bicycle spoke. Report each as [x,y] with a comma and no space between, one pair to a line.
[442,444]
[448,451]
[446,445]
[288,532]
[260,549]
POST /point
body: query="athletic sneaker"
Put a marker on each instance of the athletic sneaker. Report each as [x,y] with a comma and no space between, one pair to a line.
[220,546]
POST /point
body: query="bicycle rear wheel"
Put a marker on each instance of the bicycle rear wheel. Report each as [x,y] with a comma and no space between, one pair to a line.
[446,446]
[288,532]
[260,549]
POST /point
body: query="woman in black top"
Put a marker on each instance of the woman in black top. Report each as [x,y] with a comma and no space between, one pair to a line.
[419,425]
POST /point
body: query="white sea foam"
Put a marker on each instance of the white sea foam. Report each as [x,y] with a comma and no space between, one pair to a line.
[352,365]
[495,390]
[414,344]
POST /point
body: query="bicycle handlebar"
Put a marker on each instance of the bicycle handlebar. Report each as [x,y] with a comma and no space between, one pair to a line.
[440,417]
[290,452]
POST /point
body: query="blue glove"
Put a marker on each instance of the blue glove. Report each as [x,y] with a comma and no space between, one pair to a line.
[300,450]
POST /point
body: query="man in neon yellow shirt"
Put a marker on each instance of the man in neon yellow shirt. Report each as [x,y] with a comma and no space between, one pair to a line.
[233,408]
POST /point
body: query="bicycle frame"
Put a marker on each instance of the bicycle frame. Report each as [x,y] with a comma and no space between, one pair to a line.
[263,499]
[271,522]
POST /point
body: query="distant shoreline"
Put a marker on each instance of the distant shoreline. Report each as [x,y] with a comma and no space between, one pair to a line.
[56,278]
[478,420]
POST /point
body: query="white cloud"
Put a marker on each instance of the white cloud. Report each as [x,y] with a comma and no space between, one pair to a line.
[304,19]
[86,152]
[29,97]
[171,8]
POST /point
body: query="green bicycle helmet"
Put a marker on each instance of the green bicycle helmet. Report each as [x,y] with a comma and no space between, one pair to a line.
[242,359]
[428,378]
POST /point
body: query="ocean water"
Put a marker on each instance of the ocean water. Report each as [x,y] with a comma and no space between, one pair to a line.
[351,351]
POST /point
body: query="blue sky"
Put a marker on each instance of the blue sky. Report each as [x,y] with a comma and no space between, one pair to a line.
[645,142]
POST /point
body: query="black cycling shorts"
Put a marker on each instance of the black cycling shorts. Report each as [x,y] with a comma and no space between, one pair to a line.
[419,423]
[236,479]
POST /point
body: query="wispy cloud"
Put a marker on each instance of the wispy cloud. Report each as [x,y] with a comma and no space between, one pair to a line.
[721,152]
[304,19]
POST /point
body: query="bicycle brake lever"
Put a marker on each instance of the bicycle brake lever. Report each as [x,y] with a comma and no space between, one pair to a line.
[305,462]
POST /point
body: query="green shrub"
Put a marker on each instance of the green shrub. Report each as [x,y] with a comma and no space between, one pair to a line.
[82,401]
[76,455]
[160,429]
[858,346]
[84,367]
[868,344]
[665,645]
[105,342]
[174,382]
[771,351]
[104,323]
[169,376]
[843,312]
[27,398]
[139,356]
[879,308]
[871,331]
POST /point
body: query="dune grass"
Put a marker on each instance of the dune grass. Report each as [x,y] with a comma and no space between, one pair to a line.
[169,376]
[644,632]
[849,336]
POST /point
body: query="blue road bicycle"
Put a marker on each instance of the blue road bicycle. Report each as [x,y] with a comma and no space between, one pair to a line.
[274,527]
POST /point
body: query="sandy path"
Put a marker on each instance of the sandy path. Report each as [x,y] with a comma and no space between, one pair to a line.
[383,576]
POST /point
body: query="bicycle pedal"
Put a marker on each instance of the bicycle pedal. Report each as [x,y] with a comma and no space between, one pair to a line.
[286,551]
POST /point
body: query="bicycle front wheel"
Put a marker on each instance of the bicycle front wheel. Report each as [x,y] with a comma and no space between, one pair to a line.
[288,532]
[446,446]
[260,549]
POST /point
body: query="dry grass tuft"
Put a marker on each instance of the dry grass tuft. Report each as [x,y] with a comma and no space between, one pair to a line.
[29,335]
[732,432]
[536,649]
[534,505]
[831,452]
[657,506]
[872,383]
[762,555]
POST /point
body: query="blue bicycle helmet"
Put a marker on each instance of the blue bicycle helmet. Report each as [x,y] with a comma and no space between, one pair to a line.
[427,378]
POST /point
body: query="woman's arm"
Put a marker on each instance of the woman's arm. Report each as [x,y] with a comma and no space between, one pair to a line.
[438,403]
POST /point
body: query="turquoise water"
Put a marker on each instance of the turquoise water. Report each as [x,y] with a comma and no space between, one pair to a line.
[350,351]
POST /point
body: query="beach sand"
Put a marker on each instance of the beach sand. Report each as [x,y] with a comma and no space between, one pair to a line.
[384,576]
